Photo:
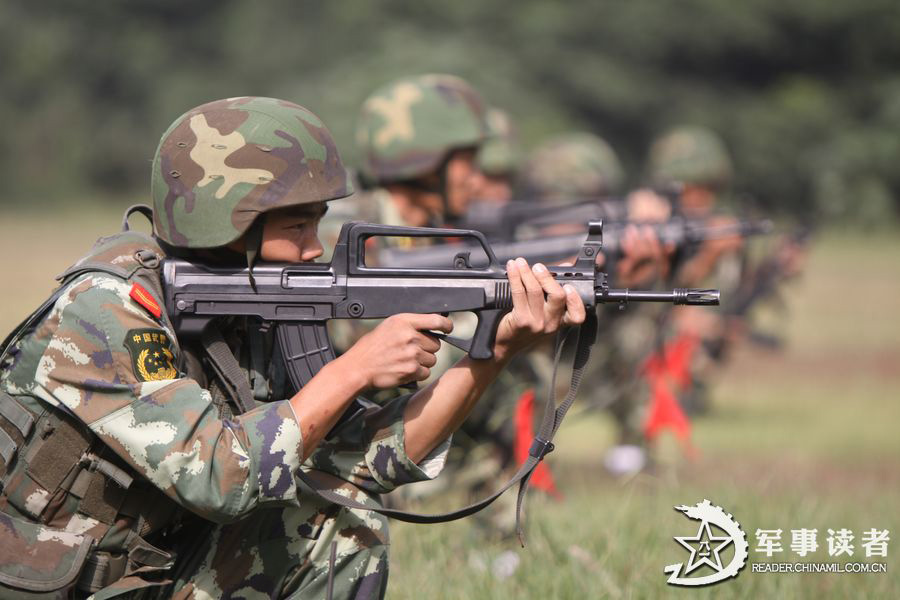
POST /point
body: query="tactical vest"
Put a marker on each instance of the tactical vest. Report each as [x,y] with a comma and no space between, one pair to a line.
[58,480]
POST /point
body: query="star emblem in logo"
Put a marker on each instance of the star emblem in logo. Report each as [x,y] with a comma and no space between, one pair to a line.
[704,548]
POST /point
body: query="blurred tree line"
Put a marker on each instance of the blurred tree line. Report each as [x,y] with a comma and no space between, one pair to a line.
[805,92]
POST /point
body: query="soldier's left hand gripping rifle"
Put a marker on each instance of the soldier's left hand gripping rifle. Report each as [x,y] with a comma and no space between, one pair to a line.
[299,299]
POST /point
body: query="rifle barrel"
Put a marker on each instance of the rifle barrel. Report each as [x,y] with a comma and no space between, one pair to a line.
[684,296]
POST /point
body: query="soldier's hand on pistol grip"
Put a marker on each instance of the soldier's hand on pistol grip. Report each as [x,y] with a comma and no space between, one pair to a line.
[397,351]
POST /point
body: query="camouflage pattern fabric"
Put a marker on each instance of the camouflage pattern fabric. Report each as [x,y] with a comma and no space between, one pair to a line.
[222,164]
[102,357]
[571,168]
[689,154]
[406,128]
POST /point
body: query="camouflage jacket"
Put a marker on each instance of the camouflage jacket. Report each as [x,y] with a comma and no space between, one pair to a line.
[106,358]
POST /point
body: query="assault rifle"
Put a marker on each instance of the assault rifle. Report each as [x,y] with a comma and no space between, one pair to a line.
[300,298]
[505,221]
[678,231]
[502,221]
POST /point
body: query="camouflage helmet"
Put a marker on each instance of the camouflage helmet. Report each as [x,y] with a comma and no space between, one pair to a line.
[407,128]
[570,168]
[689,154]
[498,155]
[222,164]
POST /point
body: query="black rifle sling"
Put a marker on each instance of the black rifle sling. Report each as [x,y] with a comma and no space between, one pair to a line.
[228,369]
[540,446]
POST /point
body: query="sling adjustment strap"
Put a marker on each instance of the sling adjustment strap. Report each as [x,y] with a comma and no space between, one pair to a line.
[228,369]
[540,448]
[13,412]
[94,463]
[100,570]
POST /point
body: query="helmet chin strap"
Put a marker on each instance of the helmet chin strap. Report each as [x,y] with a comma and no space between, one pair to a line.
[253,243]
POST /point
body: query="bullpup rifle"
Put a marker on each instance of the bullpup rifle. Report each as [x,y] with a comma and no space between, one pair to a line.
[299,299]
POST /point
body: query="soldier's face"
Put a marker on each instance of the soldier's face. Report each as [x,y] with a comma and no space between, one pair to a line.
[290,235]
[697,201]
[465,181]
[497,189]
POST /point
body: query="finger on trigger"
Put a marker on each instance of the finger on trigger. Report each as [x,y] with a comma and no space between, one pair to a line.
[431,321]
[442,323]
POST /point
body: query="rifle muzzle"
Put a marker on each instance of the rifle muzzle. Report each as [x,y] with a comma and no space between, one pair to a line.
[685,296]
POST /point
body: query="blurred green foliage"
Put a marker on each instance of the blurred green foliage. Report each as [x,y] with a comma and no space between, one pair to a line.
[806,93]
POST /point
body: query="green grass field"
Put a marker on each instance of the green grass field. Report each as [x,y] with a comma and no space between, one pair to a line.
[803,438]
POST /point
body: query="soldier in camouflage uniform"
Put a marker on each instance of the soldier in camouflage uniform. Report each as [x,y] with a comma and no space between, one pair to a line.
[696,159]
[581,167]
[419,138]
[136,464]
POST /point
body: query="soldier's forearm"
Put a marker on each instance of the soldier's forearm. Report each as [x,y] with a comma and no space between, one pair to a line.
[320,403]
[698,268]
[438,410]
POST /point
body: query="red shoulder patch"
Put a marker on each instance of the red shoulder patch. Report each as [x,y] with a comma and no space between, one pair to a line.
[140,295]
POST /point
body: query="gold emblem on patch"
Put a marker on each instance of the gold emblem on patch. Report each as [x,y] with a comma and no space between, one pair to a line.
[151,354]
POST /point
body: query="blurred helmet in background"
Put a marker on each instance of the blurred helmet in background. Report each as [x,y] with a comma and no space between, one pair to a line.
[571,168]
[498,156]
[222,164]
[407,128]
[691,155]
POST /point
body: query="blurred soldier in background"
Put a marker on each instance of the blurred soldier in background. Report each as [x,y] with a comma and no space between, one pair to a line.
[572,168]
[419,138]
[581,167]
[696,161]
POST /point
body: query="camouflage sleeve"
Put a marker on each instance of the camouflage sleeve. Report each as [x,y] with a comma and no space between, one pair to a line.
[369,451]
[107,361]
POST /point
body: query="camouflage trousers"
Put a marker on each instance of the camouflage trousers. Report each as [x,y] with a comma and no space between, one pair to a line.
[282,553]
